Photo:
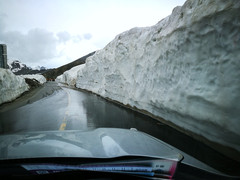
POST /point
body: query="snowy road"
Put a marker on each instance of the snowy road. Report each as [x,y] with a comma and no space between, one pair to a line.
[57,107]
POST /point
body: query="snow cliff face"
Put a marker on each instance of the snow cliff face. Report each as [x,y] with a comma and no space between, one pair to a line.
[69,77]
[184,69]
[11,86]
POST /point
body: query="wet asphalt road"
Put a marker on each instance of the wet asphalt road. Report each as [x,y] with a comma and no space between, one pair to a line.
[69,109]
[58,107]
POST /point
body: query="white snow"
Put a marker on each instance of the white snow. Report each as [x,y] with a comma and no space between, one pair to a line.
[37,68]
[9,64]
[69,77]
[11,86]
[40,78]
[60,79]
[184,69]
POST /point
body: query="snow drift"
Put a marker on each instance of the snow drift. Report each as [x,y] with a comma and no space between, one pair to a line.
[40,78]
[69,77]
[184,69]
[11,86]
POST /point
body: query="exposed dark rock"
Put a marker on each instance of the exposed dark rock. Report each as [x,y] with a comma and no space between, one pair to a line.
[33,83]
[19,68]
[52,74]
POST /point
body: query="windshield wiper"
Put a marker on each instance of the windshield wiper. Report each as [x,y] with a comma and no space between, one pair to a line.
[161,168]
[134,167]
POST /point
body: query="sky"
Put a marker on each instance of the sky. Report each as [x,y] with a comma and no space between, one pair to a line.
[52,33]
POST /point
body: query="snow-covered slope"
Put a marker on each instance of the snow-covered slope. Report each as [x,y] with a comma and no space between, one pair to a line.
[11,86]
[184,69]
[69,77]
[39,68]
[40,78]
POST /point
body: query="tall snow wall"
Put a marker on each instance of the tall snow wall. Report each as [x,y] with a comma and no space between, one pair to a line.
[185,69]
[11,86]
[69,77]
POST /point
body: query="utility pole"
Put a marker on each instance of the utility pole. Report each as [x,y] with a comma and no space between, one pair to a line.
[3,56]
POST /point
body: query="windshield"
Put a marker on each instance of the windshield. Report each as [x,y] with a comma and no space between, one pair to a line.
[110,79]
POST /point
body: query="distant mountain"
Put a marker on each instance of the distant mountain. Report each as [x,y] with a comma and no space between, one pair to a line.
[53,73]
[39,68]
[19,68]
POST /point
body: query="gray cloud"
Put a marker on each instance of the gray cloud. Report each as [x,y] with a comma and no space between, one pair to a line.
[76,38]
[63,36]
[87,36]
[35,46]
[2,23]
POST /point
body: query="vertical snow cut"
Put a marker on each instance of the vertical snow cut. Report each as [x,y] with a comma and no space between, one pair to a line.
[185,69]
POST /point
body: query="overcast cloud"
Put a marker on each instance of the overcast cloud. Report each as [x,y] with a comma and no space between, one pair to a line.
[63,36]
[55,32]
[38,46]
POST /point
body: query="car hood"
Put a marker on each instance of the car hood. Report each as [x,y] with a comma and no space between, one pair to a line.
[98,143]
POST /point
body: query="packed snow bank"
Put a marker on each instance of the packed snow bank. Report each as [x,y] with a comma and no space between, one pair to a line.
[11,86]
[40,78]
[184,69]
[60,79]
[69,77]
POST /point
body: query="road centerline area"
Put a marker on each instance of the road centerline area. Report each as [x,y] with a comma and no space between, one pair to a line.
[64,122]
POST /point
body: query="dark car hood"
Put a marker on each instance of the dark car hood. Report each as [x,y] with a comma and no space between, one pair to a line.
[98,143]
